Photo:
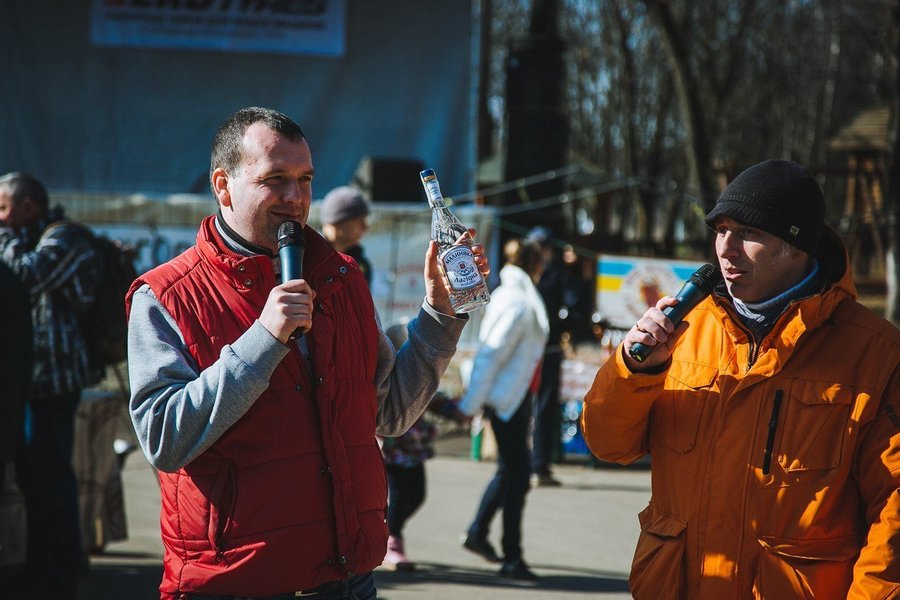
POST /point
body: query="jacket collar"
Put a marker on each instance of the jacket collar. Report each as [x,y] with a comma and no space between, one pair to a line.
[235,241]
[807,313]
[323,266]
[515,277]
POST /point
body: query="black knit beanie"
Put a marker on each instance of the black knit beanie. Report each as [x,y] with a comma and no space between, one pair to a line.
[779,197]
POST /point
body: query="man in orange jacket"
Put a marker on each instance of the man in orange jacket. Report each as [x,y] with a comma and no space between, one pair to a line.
[772,414]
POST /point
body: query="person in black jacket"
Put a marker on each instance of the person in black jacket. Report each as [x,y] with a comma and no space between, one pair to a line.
[547,413]
[15,364]
[55,261]
[15,380]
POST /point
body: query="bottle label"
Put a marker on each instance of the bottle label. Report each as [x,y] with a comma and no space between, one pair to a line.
[459,264]
[433,192]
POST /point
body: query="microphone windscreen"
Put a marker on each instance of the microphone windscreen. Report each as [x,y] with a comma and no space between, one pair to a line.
[290,233]
[706,277]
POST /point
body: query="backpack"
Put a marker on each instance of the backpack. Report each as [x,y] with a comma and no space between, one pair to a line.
[104,324]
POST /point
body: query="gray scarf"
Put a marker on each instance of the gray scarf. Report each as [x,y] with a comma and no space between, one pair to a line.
[760,317]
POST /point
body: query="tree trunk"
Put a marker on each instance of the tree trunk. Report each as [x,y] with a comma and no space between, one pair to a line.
[892,262]
[485,122]
[630,142]
[701,178]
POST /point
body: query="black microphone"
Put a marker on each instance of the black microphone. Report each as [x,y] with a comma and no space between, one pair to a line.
[698,286]
[290,252]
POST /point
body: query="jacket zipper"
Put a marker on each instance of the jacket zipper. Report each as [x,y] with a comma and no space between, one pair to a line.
[753,352]
[773,425]
[752,355]
[755,345]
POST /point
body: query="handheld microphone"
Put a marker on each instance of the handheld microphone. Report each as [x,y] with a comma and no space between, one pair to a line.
[698,286]
[290,252]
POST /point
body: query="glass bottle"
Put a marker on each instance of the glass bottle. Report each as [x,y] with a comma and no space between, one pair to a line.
[469,290]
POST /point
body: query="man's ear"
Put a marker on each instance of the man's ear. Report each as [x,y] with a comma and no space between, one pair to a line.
[219,182]
[31,211]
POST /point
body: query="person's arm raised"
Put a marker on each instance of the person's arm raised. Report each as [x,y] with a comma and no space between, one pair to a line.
[437,288]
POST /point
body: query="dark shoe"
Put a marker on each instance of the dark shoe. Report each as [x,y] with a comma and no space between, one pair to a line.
[482,548]
[544,480]
[518,570]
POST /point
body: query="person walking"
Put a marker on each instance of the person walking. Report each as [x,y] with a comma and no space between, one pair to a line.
[55,260]
[770,414]
[404,461]
[505,375]
[258,402]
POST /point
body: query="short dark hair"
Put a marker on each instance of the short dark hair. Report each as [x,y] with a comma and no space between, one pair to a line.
[227,143]
[525,254]
[22,185]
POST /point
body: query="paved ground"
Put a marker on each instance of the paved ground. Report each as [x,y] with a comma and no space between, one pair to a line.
[578,538]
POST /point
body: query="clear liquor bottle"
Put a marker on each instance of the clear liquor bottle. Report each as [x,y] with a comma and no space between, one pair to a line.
[469,290]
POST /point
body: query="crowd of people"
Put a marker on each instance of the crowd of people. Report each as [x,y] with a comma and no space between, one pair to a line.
[288,425]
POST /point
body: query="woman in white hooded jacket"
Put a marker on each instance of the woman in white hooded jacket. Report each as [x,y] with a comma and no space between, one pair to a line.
[504,377]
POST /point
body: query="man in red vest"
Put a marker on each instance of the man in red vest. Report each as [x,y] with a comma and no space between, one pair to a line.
[271,478]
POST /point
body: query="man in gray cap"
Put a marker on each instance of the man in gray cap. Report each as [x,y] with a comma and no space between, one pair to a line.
[344,215]
[770,412]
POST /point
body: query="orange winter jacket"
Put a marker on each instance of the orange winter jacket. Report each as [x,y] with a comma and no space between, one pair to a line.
[775,464]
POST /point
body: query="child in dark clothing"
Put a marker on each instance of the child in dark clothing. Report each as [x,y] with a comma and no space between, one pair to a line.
[404,460]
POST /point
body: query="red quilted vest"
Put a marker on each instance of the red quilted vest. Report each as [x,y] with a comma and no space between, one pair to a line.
[294,494]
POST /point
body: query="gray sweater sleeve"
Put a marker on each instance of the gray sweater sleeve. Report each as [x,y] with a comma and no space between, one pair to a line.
[408,379]
[178,411]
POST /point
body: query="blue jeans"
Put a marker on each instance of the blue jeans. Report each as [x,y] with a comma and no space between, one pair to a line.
[54,556]
[358,587]
[507,490]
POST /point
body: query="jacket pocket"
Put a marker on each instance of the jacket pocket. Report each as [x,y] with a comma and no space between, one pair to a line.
[221,506]
[676,414]
[658,569]
[816,423]
[816,568]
